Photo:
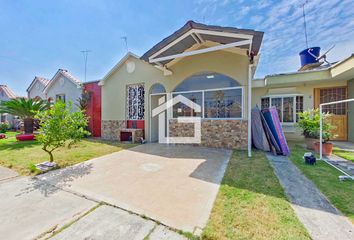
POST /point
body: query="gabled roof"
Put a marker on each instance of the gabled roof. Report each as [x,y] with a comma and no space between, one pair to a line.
[8,91]
[192,33]
[44,81]
[66,74]
[120,63]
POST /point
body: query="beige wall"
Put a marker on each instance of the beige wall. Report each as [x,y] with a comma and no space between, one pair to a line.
[307,90]
[114,89]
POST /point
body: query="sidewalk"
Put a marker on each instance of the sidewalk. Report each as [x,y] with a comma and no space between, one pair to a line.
[319,216]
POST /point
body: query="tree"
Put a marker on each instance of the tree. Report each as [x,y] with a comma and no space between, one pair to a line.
[26,109]
[84,100]
[59,125]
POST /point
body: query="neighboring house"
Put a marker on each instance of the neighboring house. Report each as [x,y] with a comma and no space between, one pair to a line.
[63,86]
[302,90]
[7,94]
[35,90]
[210,65]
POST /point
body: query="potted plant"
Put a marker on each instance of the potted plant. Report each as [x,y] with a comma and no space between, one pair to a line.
[309,122]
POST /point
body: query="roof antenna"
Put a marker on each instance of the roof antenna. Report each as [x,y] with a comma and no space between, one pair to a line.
[304,16]
[125,39]
[85,54]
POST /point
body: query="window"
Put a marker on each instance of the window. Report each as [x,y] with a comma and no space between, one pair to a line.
[181,110]
[135,102]
[223,103]
[206,81]
[218,95]
[287,106]
[157,88]
[60,97]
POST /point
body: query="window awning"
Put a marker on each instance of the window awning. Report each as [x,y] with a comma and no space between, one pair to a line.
[185,41]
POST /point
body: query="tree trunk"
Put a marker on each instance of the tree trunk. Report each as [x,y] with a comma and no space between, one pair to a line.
[51,157]
[28,125]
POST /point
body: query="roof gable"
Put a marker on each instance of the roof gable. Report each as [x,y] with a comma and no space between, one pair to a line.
[117,66]
[65,73]
[193,33]
[41,80]
[7,92]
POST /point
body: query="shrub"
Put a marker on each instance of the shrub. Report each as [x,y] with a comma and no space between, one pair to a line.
[4,126]
[309,122]
[59,125]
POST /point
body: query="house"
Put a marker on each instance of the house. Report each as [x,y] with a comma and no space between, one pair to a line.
[63,86]
[212,66]
[297,91]
[35,89]
[7,94]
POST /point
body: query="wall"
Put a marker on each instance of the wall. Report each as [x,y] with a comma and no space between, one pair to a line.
[114,89]
[351,111]
[230,134]
[306,89]
[71,91]
[93,110]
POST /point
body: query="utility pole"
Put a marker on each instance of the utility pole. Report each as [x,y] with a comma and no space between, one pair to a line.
[125,39]
[85,54]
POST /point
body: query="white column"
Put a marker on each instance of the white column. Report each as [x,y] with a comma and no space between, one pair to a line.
[321,126]
[249,104]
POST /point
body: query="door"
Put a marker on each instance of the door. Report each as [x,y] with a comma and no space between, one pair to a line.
[339,118]
[154,123]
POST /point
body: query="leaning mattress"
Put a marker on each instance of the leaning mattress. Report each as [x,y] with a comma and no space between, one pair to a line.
[272,118]
[259,138]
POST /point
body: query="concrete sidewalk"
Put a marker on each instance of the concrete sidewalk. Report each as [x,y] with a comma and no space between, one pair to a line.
[6,173]
[30,208]
[319,216]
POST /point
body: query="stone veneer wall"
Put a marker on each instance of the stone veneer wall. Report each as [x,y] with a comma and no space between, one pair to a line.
[111,129]
[215,133]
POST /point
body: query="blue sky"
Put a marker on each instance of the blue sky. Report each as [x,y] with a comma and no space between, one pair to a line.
[38,37]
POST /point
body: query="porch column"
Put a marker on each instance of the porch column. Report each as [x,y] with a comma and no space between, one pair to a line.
[249,104]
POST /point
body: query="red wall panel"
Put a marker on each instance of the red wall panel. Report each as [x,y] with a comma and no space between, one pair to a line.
[94,108]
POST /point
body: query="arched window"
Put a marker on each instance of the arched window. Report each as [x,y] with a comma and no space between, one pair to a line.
[219,96]
[157,88]
[205,81]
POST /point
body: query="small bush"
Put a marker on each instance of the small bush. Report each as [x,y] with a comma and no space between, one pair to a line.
[4,126]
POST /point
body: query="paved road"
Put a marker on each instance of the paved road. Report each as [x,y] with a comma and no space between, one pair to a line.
[319,216]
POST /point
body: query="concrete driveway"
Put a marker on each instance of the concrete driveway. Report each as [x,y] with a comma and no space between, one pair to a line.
[175,185]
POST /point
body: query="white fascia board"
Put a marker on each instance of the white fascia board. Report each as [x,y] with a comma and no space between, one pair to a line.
[200,51]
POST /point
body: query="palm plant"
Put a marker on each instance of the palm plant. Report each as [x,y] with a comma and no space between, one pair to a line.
[25,109]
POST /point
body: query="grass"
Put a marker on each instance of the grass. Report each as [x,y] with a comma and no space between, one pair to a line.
[22,156]
[344,154]
[251,204]
[326,179]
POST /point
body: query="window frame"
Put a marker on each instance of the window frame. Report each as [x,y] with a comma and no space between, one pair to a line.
[60,97]
[282,96]
[203,101]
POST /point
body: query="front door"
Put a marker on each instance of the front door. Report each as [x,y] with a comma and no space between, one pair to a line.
[339,118]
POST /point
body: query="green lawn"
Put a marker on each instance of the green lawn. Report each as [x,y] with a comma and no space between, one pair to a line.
[21,156]
[325,177]
[251,204]
[344,154]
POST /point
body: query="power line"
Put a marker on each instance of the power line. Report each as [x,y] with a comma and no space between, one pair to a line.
[85,55]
